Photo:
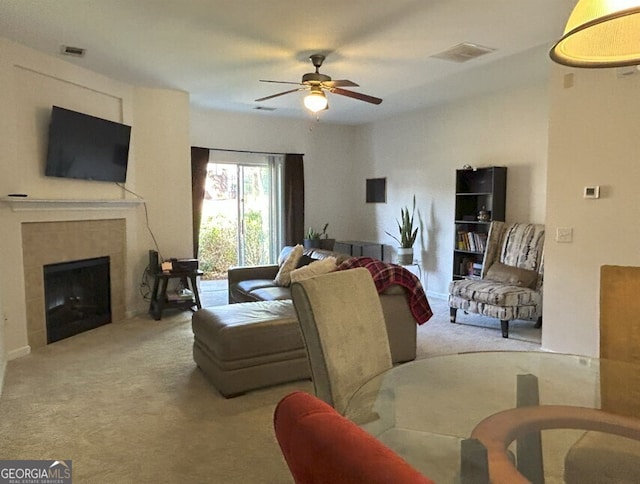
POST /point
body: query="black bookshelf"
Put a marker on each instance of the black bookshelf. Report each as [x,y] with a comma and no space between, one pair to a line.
[480,191]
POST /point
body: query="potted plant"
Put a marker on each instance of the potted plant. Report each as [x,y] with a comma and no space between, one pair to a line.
[408,235]
[311,239]
[325,242]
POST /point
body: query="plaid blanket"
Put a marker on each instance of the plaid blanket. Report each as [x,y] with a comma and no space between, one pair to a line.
[385,274]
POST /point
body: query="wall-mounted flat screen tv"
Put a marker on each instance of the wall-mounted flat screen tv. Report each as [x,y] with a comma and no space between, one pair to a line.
[86,147]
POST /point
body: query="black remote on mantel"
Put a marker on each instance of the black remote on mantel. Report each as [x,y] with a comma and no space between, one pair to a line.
[20,195]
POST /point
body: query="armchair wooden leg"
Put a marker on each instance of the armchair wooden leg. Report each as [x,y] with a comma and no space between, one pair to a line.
[504,324]
[452,314]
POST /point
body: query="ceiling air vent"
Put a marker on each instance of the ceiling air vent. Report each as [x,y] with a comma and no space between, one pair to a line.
[73,51]
[463,52]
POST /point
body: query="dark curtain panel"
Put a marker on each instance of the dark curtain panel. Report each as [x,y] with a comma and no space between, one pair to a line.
[199,160]
[293,199]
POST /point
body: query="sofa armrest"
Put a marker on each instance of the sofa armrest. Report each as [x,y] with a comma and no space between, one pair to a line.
[237,274]
[402,328]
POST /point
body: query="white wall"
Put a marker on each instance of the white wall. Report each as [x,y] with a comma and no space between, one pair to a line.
[30,83]
[418,153]
[593,140]
[163,170]
[329,161]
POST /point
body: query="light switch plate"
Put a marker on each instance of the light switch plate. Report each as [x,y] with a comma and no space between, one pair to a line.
[564,234]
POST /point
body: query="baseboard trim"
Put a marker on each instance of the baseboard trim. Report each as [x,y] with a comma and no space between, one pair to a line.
[438,295]
[19,352]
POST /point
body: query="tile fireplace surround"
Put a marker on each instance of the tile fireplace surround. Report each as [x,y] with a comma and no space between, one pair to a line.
[51,242]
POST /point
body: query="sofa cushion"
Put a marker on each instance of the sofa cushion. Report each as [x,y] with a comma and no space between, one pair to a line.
[241,331]
[242,291]
[496,294]
[273,293]
[316,268]
[310,255]
[305,260]
[283,278]
[513,276]
[319,254]
[253,284]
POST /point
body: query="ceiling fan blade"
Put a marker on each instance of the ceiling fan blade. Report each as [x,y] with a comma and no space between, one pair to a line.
[340,83]
[279,94]
[282,82]
[356,95]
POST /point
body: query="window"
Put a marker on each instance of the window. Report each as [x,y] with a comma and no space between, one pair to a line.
[242,211]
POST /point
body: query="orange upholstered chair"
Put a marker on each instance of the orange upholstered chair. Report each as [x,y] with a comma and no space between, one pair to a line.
[321,446]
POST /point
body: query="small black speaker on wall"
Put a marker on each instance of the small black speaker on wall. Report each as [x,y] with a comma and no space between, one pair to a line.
[154,265]
[376,190]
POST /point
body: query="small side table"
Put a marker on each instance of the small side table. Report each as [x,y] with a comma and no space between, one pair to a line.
[160,301]
[415,268]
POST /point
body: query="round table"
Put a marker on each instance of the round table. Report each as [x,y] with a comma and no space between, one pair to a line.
[531,413]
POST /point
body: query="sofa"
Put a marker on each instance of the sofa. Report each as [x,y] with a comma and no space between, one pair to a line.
[256,283]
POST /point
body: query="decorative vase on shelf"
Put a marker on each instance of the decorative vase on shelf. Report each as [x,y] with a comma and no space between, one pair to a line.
[484,215]
[311,243]
[311,239]
[405,255]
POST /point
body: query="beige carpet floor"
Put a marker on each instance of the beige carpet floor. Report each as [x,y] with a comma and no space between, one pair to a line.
[126,403]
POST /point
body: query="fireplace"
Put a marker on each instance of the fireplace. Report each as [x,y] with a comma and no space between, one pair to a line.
[54,242]
[77,297]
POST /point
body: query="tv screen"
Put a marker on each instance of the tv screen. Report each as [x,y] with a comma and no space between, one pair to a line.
[86,147]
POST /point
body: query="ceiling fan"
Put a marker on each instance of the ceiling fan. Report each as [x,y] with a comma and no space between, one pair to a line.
[316,84]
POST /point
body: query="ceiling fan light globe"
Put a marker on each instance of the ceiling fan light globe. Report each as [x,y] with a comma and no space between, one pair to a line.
[315,101]
[600,33]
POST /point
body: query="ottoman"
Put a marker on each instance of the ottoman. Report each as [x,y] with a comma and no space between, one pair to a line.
[241,347]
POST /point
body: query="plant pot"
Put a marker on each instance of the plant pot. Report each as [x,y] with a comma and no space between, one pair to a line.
[311,243]
[327,244]
[405,256]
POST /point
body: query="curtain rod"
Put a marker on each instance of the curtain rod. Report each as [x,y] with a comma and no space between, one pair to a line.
[249,151]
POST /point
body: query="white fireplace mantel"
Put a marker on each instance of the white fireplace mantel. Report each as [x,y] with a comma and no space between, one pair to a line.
[22,204]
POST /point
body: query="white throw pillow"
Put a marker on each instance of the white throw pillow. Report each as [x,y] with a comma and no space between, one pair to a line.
[316,268]
[283,277]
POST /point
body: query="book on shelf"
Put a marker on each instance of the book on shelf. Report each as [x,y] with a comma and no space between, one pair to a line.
[461,241]
[477,269]
[481,241]
[471,241]
[466,267]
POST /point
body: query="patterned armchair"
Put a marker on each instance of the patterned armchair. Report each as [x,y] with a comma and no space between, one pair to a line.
[510,285]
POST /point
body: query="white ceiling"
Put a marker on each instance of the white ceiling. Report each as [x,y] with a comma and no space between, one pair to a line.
[217,50]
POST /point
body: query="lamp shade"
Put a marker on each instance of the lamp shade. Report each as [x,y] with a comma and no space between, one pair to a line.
[600,33]
[315,101]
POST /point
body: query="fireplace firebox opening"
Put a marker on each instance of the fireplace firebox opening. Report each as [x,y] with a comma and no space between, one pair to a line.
[77,297]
